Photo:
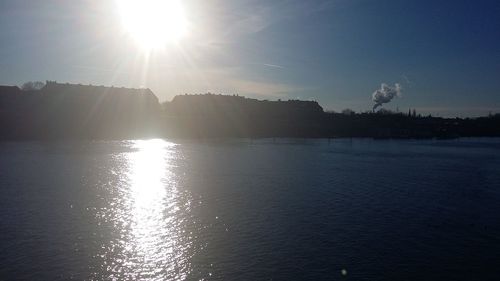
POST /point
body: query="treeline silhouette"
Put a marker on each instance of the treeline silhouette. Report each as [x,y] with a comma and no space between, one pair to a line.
[67,111]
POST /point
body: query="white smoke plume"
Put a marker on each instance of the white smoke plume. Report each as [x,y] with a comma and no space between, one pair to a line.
[385,94]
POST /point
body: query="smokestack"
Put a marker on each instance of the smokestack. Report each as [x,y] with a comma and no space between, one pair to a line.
[385,94]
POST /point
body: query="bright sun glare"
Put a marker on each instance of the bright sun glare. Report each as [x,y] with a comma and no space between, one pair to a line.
[153,23]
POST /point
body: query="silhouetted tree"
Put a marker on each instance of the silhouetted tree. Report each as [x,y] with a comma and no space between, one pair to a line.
[384,111]
[32,86]
[348,111]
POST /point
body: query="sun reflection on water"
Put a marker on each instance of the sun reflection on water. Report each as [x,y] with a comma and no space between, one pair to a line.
[150,213]
[148,174]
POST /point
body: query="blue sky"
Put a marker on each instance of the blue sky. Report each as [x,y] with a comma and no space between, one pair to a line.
[445,54]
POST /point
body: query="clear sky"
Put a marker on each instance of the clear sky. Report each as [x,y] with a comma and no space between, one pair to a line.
[444,54]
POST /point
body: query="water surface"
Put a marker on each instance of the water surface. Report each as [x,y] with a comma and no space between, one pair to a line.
[250,210]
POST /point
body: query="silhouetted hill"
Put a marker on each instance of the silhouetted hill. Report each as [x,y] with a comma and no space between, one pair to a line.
[95,112]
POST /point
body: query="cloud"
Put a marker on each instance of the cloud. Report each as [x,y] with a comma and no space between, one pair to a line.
[385,94]
[252,23]
[269,89]
[406,79]
[223,80]
[269,65]
[255,16]
[234,80]
[273,65]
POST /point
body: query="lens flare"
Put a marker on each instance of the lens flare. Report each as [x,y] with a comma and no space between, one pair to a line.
[153,23]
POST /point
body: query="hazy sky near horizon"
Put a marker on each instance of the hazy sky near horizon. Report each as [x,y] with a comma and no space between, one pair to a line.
[445,54]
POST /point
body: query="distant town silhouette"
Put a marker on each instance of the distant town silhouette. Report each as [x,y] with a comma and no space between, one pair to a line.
[54,110]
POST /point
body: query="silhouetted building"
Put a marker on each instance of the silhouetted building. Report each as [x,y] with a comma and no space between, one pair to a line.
[210,104]
[9,91]
[229,115]
[59,111]
[82,111]
[8,96]
[53,88]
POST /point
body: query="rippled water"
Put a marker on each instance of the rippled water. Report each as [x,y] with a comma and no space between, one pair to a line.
[250,210]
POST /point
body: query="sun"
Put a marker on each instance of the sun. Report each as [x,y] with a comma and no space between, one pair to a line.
[153,23]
